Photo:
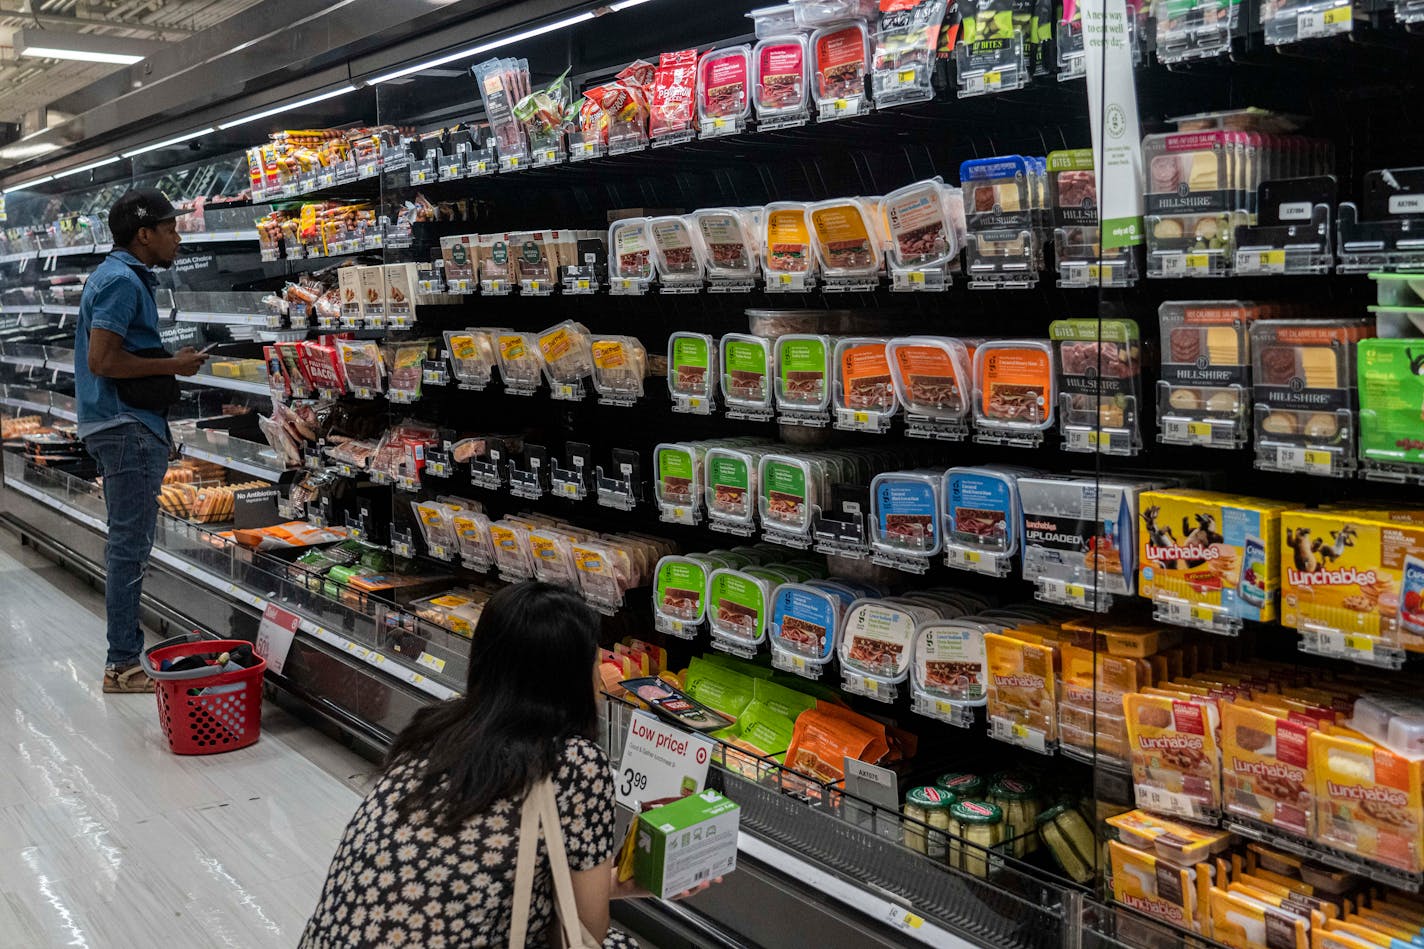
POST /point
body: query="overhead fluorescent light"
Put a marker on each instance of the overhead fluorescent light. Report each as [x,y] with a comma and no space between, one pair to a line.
[84,47]
[625,4]
[278,110]
[483,48]
[89,167]
[167,142]
[28,184]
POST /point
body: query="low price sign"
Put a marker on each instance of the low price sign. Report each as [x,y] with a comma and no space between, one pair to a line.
[660,761]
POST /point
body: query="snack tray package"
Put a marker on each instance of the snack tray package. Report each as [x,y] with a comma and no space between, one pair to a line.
[1193,202]
[1068,38]
[1204,394]
[1292,21]
[1391,396]
[1100,385]
[630,256]
[1081,258]
[991,55]
[1303,384]
[1194,29]
[1003,246]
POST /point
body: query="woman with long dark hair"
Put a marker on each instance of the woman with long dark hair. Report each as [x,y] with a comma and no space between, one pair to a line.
[429,859]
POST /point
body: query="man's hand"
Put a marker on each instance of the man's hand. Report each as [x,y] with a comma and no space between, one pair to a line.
[188,361]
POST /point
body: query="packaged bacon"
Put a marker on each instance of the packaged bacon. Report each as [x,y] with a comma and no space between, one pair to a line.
[724,87]
[670,96]
[780,67]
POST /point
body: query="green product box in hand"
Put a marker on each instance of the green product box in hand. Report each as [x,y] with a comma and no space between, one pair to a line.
[686,843]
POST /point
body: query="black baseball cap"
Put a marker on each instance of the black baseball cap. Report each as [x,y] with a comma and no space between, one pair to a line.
[140,207]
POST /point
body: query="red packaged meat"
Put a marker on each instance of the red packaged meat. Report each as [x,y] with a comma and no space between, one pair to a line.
[723,83]
[670,99]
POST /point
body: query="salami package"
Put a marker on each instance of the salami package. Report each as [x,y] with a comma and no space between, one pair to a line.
[670,99]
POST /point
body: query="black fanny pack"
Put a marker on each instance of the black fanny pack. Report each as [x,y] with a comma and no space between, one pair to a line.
[151,393]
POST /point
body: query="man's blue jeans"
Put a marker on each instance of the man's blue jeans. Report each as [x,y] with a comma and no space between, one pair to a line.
[132,460]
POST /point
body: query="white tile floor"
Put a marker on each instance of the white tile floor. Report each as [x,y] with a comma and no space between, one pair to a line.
[106,838]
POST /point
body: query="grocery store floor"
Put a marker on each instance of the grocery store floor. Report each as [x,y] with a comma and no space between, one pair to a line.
[107,839]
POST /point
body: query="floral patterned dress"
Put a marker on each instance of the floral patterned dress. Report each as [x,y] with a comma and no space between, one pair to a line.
[407,882]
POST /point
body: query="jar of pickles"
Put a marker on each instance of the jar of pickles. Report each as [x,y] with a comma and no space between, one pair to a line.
[964,787]
[1018,800]
[1069,838]
[974,826]
[928,805]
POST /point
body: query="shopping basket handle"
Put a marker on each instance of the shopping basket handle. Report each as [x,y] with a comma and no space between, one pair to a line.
[203,672]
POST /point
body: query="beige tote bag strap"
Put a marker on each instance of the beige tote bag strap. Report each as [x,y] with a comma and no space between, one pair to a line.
[525,868]
[575,933]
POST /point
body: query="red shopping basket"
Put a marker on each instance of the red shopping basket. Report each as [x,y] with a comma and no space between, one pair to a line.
[204,712]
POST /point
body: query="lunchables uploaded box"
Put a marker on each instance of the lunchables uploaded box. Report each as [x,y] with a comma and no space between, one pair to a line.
[688,842]
[1354,572]
[1367,800]
[1216,554]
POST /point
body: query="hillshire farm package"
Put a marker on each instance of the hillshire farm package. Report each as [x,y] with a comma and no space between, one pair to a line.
[1356,572]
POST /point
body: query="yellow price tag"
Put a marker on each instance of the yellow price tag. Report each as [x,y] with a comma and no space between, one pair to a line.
[1076,591]
[785,279]
[1314,457]
[798,662]
[993,78]
[1019,731]
[871,686]
[534,285]
[582,284]
[417,678]
[907,75]
[1202,613]
[842,105]
[1199,429]
[1094,271]
[719,123]
[694,402]
[571,489]
[917,276]
[1337,15]
[1198,261]
[913,921]
[943,708]
[679,512]
[971,556]
[1358,642]
[514,162]
[862,417]
[1273,258]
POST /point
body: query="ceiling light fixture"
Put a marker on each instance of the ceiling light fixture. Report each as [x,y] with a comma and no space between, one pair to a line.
[167,142]
[625,4]
[89,167]
[27,184]
[278,110]
[84,47]
[483,48]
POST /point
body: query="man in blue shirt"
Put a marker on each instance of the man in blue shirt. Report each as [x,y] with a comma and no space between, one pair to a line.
[117,349]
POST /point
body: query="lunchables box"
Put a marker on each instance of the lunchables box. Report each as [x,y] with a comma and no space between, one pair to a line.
[1356,573]
[1367,800]
[1209,559]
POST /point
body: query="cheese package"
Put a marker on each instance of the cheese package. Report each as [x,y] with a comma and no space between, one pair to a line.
[1204,395]
[1346,572]
[1303,386]
[1367,800]
[1021,706]
[1266,767]
[1176,767]
[1210,559]
[1243,921]
[1004,202]
[1152,886]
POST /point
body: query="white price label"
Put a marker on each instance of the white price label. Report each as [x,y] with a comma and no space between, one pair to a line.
[1016,733]
[660,761]
[1161,801]
[430,662]
[1174,265]
[274,636]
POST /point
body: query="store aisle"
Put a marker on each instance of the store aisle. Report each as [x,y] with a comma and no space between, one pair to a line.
[106,838]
